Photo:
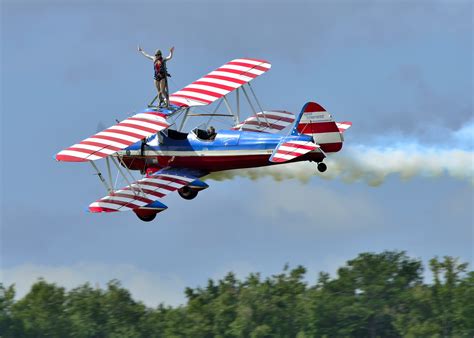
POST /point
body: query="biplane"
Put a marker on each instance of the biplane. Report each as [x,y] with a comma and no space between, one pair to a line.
[173,160]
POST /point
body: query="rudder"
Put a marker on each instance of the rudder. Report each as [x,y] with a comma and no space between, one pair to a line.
[315,121]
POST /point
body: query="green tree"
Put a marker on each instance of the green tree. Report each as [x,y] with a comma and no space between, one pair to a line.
[9,326]
[42,312]
[366,295]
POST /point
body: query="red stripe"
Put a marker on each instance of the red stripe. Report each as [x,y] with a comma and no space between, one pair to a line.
[159,124]
[278,118]
[279,159]
[202,91]
[225,78]
[318,127]
[172,179]
[235,71]
[215,85]
[262,61]
[313,107]
[122,203]
[155,113]
[179,104]
[134,197]
[192,98]
[88,151]
[249,65]
[114,139]
[135,126]
[331,147]
[101,209]
[123,132]
[146,191]
[299,146]
[102,145]
[69,158]
[159,185]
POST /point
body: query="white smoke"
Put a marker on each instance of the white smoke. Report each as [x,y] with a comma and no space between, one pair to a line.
[373,164]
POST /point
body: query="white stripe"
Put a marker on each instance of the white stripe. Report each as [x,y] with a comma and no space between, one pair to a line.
[277,113]
[94,148]
[208,88]
[107,142]
[293,149]
[78,153]
[197,95]
[284,156]
[131,130]
[244,69]
[127,139]
[253,62]
[144,124]
[322,138]
[221,82]
[186,101]
[115,206]
[182,178]
[264,121]
[124,199]
[149,116]
[232,75]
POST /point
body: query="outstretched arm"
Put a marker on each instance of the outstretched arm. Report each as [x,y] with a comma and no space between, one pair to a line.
[145,54]
[169,57]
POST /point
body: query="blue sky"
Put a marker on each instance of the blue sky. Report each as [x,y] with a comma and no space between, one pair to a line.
[400,71]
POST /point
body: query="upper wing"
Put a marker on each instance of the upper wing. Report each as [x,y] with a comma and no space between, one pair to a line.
[115,138]
[287,150]
[145,192]
[267,122]
[220,82]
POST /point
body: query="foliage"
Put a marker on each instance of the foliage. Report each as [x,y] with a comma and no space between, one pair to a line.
[373,295]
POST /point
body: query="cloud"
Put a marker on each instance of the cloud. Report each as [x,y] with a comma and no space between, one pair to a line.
[374,163]
[145,286]
[308,207]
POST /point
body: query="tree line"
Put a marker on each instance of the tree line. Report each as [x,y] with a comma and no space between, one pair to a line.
[373,295]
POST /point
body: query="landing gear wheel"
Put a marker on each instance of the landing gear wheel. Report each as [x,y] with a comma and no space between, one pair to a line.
[147,217]
[187,193]
[322,167]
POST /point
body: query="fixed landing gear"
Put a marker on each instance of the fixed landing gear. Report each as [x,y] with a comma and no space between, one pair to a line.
[187,193]
[146,216]
[322,167]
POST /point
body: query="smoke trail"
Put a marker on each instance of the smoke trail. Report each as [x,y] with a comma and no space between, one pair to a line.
[373,164]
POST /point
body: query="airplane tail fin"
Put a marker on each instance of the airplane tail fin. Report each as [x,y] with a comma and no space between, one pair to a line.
[314,120]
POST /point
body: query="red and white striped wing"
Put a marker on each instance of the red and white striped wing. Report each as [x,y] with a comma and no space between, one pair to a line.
[287,151]
[140,193]
[115,138]
[220,82]
[267,122]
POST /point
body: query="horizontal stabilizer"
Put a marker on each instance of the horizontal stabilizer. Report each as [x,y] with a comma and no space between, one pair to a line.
[267,122]
[288,150]
[343,126]
[219,82]
[116,138]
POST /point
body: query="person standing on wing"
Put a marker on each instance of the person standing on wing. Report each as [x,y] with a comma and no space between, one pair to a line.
[161,73]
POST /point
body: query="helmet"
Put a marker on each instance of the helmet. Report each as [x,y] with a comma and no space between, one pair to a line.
[158,52]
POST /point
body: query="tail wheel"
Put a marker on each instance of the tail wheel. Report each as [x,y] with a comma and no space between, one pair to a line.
[322,167]
[187,193]
[146,216]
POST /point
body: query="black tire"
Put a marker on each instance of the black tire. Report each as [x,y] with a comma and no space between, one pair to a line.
[187,193]
[147,218]
[322,167]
